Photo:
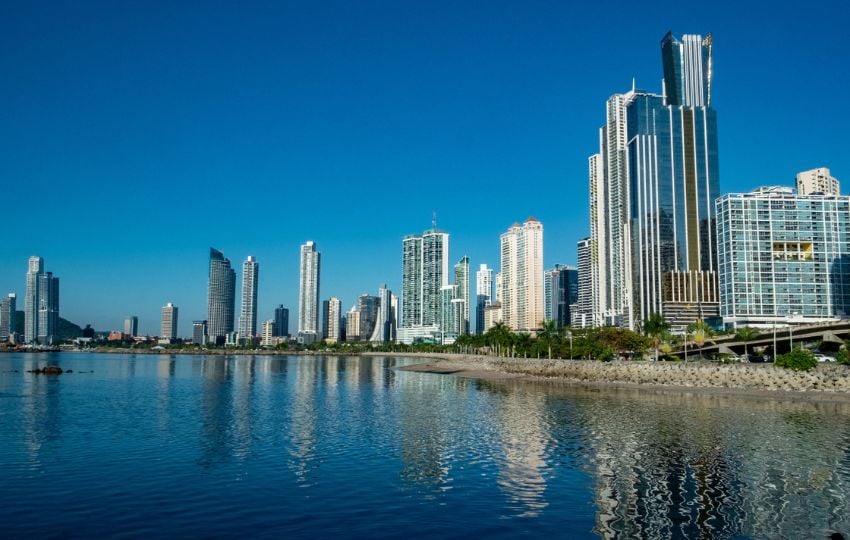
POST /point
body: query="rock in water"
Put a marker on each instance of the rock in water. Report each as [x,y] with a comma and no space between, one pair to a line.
[52,370]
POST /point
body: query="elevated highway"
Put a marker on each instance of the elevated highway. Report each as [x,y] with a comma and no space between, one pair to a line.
[832,334]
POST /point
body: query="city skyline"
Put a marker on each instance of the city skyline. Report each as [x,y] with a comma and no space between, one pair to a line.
[510,120]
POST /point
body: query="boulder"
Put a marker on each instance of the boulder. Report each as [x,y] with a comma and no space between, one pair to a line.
[52,370]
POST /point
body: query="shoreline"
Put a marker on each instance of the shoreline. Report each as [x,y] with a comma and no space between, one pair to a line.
[827,382]
[761,381]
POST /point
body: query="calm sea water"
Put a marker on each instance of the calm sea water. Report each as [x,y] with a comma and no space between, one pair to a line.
[190,446]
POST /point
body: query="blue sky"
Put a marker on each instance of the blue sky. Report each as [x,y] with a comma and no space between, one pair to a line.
[135,135]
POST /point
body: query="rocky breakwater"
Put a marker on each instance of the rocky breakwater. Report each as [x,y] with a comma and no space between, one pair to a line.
[824,378]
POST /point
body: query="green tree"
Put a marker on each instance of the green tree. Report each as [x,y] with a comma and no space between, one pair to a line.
[844,354]
[798,359]
[700,331]
[498,337]
[549,334]
[746,334]
[655,327]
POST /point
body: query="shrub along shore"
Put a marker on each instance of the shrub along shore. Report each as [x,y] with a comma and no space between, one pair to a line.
[824,378]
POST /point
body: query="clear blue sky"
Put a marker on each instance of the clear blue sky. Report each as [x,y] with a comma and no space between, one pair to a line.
[135,135]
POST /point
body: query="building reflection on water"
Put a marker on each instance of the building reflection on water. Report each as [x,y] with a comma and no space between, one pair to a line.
[703,466]
[655,464]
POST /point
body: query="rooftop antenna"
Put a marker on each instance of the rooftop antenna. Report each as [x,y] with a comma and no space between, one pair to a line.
[434,220]
[633,84]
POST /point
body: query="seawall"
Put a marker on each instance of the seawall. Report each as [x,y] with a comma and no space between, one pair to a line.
[824,378]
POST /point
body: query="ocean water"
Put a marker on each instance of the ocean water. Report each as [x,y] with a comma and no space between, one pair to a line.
[350,447]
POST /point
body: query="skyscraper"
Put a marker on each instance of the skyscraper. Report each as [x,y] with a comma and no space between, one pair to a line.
[461,299]
[425,271]
[268,334]
[582,315]
[652,188]
[168,324]
[7,316]
[483,295]
[41,304]
[220,297]
[248,313]
[333,320]
[308,292]
[447,321]
[522,276]
[560,289]
[368,306]
[199,332]
[35,268]
[783,257]
[818,180]
[131,326]
[384,331]
[352,325]
[281,321]
[48,308]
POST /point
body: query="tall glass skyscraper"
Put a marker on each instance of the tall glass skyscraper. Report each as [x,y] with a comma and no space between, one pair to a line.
[7,316]
[425,270]
[581,313]
[308,291]
[653,184]
[461,299]
[41,305]
[281,321]
[483,294]
[248,313]
[221,291]
[560,290]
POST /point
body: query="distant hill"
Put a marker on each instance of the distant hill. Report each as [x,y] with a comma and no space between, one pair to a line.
[67,329]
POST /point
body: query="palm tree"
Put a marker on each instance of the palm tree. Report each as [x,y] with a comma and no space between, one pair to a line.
[499,336]
[746,334]
[654,327]
[549,334]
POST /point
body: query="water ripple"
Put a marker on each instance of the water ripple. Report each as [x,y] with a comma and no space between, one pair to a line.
[271,447]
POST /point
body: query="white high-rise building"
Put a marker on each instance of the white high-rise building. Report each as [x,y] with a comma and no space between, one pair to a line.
[268,336]
[817,181]
[352,325]
[333,328]
[168,325]
[461,299]
[248,313]
[41,304]
[308,292]
[784,258]
[483,295]
[522,276]
[385,322]
[425,271]
[484,281]
[35,267]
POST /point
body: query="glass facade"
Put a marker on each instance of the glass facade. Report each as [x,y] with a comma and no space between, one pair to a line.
[783,257]
[652,187]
